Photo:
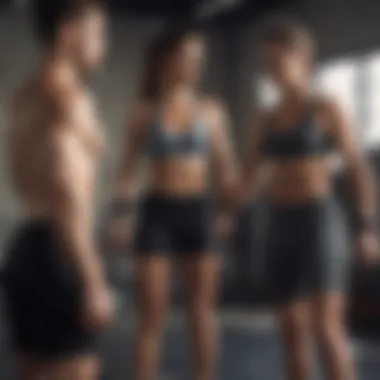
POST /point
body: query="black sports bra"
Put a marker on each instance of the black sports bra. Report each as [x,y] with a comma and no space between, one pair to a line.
[161,143]
[304,140]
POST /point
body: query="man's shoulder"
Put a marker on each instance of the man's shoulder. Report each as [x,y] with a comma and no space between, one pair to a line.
[57,99]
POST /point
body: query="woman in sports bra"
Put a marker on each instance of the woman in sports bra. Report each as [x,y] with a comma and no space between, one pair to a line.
[307,252]
[183,137]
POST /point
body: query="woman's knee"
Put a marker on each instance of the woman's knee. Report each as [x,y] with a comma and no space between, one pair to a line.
[294,320]
[201,312]
[152,293]
[328,324]
[151,312]
[152,318]
[328,330]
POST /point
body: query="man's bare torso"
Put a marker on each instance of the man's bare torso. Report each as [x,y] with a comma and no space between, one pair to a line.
[41,107]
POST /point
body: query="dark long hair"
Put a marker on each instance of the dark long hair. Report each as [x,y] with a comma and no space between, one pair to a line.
[159,51]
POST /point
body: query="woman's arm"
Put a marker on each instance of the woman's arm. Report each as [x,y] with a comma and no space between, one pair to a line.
[361,179]
[357,167]
[223,155]
[124,195]
[134,138]
[256,169]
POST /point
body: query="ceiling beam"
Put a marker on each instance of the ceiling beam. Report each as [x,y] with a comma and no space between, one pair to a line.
[247,11]
[208,9]
[152,8]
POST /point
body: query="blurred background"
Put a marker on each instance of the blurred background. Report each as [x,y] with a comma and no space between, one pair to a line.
[347,32]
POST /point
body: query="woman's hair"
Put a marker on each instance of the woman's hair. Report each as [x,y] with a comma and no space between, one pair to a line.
[159,51]
[289,34]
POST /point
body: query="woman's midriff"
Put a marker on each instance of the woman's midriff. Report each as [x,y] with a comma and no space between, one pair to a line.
[179,177]
[298,181]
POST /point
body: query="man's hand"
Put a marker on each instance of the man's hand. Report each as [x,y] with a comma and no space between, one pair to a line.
[368,247]
[98,307]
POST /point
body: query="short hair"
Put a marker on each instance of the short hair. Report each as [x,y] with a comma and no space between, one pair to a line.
[49,15]
[288,33]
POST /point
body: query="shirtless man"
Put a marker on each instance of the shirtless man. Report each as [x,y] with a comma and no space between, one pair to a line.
[53,277]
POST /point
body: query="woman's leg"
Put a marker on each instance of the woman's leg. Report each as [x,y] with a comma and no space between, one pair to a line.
[152,280]
[331,335]
[331,268]
[294,320]
[202,278]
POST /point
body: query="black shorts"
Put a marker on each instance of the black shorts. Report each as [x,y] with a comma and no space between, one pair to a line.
[175,225]
[43,297]
[308,252]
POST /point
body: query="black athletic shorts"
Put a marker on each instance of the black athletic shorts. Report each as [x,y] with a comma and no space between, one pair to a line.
[307,250]
[43,297]
[175,225]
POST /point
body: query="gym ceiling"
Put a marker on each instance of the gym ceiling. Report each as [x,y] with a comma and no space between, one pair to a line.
[198,10]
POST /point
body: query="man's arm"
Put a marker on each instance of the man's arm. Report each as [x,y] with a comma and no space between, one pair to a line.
[358,169]
[72,206]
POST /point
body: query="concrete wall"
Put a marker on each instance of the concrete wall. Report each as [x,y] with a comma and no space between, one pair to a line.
[342,26]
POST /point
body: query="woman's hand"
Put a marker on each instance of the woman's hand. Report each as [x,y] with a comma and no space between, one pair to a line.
[119,233]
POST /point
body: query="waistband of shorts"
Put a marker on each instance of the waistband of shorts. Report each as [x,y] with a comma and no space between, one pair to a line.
[36,226]
[173,200]
[307,206]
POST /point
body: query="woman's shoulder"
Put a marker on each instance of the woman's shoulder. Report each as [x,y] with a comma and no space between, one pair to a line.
[213,107]
[214,112]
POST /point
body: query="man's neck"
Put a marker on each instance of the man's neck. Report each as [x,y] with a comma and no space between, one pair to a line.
[62,68]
